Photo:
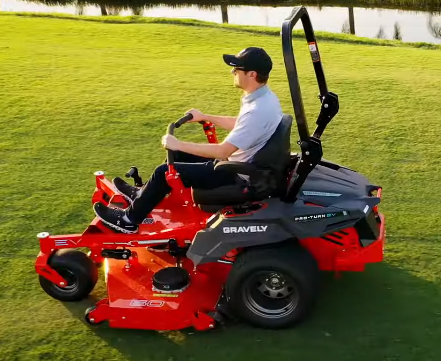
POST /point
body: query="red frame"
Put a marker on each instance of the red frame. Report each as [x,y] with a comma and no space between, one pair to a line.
[131,301]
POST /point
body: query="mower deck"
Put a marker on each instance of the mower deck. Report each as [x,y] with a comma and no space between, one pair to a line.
[133,303]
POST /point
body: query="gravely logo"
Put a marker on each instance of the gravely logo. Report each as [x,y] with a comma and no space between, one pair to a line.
[248,229]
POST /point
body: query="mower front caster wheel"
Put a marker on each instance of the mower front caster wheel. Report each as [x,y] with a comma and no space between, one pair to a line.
[77,269]
[90,320]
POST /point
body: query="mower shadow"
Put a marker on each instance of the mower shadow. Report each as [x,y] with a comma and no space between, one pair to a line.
[384,313]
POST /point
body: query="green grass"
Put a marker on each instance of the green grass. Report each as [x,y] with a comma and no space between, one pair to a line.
[264,30]
[77,97]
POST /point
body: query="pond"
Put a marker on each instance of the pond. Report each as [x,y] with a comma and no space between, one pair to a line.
[406,21]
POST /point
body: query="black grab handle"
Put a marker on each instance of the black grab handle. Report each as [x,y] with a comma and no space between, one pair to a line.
[170,159]
[183,120]
[170,130]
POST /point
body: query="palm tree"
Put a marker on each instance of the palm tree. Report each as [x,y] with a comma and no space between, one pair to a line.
[345,27]
[434,27]
[103,10]
[397,32]
[224,10]
[114,10]
[137,10]
[351,21]
[381,34]
[79,8]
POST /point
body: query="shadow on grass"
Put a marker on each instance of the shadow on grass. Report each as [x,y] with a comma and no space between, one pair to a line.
[384,313]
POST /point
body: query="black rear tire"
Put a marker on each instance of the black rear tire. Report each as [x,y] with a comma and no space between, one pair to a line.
[78,269]
[273,287]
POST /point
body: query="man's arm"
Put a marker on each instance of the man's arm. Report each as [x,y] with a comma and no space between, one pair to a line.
[224,122]
[221,121]
[215,151]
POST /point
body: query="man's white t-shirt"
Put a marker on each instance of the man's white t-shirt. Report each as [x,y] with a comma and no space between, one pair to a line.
[259,116]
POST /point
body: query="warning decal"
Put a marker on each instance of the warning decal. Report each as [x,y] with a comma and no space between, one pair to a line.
[314,52]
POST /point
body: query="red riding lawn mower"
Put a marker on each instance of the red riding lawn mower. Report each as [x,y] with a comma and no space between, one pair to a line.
[254,251]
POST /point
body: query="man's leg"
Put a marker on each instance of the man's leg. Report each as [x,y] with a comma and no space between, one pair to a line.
[199,175]
[182,157]
[130,193]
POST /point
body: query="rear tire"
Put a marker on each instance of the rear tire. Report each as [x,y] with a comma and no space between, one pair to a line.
[273,287]
[79,271]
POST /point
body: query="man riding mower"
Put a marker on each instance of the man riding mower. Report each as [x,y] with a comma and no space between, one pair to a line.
[259,116]
[252,246]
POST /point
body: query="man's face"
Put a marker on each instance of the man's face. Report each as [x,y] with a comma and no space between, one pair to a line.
[241,78]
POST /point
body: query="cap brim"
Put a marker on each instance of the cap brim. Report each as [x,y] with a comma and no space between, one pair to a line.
[231,60]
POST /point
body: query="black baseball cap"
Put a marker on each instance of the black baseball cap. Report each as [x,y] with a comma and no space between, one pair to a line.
[251,59]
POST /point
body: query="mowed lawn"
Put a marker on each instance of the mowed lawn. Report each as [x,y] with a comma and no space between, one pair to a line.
[77,97]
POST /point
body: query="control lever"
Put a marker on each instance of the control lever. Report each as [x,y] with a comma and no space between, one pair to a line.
[133,173]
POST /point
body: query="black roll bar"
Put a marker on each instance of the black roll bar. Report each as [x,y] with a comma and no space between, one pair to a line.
[300,12]
[310,145]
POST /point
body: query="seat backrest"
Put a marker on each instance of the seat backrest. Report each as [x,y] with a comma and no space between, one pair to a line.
[272,162]
[275,155]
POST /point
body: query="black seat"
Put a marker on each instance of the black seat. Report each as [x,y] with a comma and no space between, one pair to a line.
[267,174]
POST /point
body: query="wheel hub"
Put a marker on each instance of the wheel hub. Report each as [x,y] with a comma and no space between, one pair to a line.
[72,282]
[271,294]
[274,286]
[275,281]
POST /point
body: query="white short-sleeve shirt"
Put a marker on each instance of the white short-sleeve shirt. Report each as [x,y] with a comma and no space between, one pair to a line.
[259,116]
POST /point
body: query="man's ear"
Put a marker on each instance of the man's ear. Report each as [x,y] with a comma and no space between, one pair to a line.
[253,74]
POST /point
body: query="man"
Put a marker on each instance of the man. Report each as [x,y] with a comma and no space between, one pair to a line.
[259,116]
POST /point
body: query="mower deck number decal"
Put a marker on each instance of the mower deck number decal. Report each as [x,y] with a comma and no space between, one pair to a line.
[147,303]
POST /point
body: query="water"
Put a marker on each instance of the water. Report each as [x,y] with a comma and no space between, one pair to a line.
[414,26]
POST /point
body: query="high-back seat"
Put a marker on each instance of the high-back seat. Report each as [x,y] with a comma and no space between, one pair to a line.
[267,172]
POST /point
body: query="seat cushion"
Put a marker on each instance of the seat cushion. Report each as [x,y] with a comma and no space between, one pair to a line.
[211,208]
[225,195]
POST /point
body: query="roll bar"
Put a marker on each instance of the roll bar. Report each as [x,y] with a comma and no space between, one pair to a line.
[310,145]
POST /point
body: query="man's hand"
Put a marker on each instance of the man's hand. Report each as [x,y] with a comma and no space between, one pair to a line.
[197,115]
[170,142]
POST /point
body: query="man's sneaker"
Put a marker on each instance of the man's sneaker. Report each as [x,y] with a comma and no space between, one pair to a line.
[115,218]
[126,190]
